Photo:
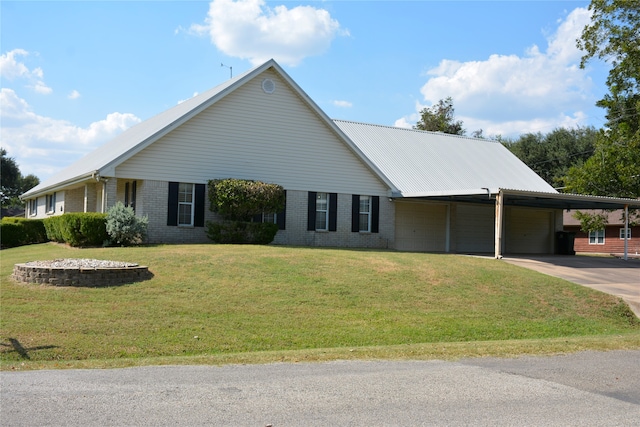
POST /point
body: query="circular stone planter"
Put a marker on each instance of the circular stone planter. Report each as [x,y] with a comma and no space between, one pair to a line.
[80,272]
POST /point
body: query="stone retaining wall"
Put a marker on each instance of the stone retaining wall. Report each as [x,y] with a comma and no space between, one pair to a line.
[85,277]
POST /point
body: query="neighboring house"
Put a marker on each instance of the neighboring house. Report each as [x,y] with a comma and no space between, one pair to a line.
[347,184]
[610,240]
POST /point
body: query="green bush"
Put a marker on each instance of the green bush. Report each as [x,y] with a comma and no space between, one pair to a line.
[237,201]
[241,232]
[77,228]
[241,199]
[124,227]
[21,231]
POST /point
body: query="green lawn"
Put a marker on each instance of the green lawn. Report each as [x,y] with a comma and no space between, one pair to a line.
[225,303]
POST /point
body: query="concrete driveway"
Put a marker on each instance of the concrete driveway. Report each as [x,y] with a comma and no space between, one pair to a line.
[611,275]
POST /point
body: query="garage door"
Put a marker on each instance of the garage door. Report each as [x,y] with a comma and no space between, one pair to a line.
[528,231]
[475,228]
[421,227]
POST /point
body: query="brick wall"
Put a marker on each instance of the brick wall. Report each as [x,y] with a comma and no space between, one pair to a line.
[152,201]
[613,244]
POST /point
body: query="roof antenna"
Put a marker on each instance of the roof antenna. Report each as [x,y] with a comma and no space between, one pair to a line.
[230,69]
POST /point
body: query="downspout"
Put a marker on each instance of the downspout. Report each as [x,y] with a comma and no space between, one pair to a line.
[626,232]
[499,219]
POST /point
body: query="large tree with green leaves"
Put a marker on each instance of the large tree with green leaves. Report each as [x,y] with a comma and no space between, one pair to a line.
[440,118]
[613,35]
[12,183]
[551,155]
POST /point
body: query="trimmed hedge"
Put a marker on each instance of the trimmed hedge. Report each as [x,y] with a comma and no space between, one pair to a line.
[241,199]
[21,231]
[78,228]
[241,232]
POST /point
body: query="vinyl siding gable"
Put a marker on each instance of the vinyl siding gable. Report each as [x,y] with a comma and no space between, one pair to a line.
[250,134]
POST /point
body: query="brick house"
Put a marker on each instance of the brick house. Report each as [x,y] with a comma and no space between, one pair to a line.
[610,240]
[347,184]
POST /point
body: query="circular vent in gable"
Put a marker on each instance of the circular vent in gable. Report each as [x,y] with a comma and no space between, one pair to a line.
[268,86]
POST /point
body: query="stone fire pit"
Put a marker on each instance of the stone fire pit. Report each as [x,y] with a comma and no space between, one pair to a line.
[80,272]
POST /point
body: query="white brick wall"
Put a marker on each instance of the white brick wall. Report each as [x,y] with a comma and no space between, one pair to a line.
[152,201]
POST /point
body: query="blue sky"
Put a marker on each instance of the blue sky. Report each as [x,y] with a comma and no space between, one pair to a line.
[75,74]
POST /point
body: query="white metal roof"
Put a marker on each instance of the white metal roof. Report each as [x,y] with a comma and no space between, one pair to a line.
[422,164]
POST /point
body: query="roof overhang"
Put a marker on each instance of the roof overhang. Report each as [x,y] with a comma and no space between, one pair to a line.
[532,199]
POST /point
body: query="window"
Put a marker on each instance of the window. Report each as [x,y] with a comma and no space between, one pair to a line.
[365,213]
[622,233]
[130,195]
[270,218]
[51,203]
[33,207]
[322,212]
[185,204]
[596,237]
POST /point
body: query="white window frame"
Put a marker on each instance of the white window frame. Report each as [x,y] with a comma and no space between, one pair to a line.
[362,213]
[182,190]
[33,207]
[51,203]
[271,218]
[628,233]
[595,236]
[322,199]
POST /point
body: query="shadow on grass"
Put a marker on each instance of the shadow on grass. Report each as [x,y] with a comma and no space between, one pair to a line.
[21,350]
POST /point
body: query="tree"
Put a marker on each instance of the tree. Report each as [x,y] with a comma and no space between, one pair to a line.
[551,155]
[440,118]
[613,35]
[12,183]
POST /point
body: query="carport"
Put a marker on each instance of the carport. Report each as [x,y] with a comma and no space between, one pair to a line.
[501,198]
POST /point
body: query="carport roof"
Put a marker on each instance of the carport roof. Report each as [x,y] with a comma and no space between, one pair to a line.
[540,200]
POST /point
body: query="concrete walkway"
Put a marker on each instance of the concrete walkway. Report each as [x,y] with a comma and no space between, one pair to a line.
[611,275]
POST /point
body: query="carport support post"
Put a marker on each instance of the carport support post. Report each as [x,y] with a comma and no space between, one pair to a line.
[499,216]
[626,231]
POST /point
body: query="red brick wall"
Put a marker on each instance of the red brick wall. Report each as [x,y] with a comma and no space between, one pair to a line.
[612,241]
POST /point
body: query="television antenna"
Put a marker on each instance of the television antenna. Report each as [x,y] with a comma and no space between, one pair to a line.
[230,69]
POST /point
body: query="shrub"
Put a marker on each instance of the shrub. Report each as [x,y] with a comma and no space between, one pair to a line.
[77,228]
[21,231]
[124,227]
[241,232]
[240,199]
[237,201]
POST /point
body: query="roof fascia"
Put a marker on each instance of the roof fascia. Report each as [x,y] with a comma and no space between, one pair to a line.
[60,185]
[575,197]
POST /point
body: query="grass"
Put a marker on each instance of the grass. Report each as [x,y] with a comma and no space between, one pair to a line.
[242,304]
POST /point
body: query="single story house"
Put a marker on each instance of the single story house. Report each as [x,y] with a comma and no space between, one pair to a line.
[609,240]
[347,184]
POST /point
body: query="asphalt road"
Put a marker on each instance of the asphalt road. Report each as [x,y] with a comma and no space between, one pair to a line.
[582,389]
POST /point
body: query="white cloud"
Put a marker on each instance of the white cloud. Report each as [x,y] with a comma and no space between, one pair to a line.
[342,104]
[11,69]
[510,94]
[74,94]
[249,29]
[43,145]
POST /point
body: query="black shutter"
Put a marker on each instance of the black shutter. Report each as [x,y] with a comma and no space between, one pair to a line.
[375,214]
[281,217]
[355,213]
[333,211]
[257,218]
[172,204]
[311,211]
[198,215]
[126,194]
[133,194]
